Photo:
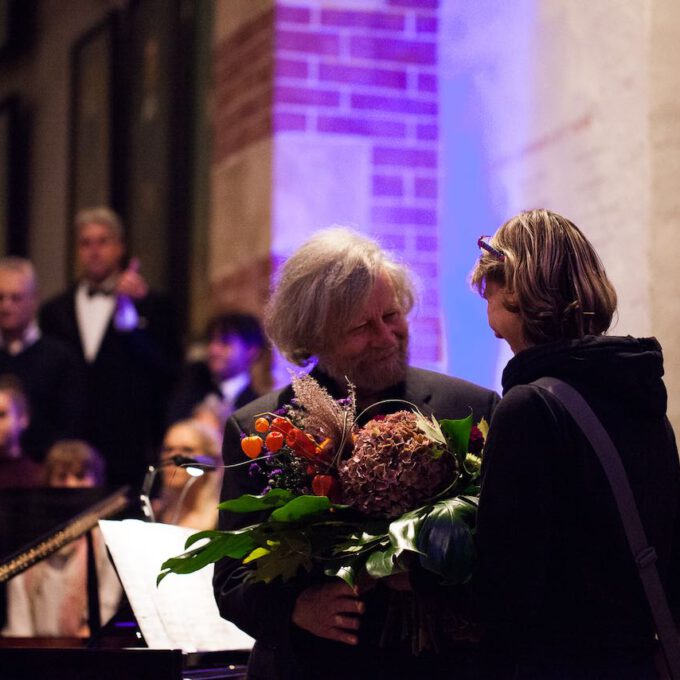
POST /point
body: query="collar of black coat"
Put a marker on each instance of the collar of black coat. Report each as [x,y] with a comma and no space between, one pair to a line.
[614,368]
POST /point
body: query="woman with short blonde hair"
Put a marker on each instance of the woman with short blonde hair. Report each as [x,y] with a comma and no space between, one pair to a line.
[560,595]
[555,280]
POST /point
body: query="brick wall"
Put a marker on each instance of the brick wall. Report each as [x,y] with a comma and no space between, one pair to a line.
[369,73]
[347,96]
[244,67]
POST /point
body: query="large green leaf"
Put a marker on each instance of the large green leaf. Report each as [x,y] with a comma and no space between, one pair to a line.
[359,541]
[292,554]
[300,508]
[403,531]
[225,544]
[348,570]
[250,503]
[383,563]
[457,433]
[445,539]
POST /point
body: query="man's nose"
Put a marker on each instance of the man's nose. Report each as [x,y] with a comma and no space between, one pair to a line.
[384,336]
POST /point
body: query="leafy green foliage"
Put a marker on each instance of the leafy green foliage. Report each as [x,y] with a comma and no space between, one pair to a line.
[301,507]
[445,539]
[275,498]
[457,433]
[303,530]
[289,555]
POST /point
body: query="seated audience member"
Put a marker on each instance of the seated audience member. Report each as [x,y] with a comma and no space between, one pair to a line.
[221,383]
[16,470]
[184,499]
[50,598]
[125,337]
[48,370]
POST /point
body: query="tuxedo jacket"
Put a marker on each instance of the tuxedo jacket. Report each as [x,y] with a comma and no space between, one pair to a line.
[264,611]
[127,383]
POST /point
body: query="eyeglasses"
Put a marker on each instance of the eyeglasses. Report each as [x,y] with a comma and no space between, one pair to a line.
[494,252]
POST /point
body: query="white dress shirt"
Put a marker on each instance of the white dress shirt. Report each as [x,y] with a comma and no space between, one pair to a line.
[93,313]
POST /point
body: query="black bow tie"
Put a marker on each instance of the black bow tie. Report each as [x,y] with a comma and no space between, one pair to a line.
[95,290]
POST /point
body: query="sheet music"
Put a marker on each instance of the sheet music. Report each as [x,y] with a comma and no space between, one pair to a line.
[181,613]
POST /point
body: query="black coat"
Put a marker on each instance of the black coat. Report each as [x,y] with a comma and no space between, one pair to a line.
[264,611]
[54,382]
[127,383]
[556,579]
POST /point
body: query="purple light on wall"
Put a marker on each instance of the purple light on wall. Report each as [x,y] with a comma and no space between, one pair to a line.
[488,48]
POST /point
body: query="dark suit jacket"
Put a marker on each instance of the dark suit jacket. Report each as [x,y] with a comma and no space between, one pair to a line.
[265,611]
[194,385]
[54,382]
[127,383]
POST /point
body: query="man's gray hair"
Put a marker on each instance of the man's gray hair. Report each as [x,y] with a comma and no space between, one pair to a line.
[321,287]
[100,215]
[12,263]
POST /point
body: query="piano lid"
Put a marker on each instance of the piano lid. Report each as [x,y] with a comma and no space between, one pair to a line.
[34,523]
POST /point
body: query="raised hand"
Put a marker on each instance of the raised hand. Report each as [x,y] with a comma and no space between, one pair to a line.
[131,283]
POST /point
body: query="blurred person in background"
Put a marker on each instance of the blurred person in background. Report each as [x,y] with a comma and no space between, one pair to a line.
[184,499]
[50,598]
[126,338]
[16,469]
[48,370]
[222,382]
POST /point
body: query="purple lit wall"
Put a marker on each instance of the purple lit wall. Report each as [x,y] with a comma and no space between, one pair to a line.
[385,115]
[356,135]
[486,85]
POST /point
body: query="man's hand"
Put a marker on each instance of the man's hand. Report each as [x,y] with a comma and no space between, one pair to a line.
[131,283]
[330,611]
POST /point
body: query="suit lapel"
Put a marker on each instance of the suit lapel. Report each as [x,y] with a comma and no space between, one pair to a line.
[417,391]
[71,320]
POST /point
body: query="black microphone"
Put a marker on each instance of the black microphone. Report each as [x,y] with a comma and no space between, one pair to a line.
[194,465]
[202,463]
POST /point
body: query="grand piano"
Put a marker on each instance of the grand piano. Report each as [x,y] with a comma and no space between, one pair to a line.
[34,524]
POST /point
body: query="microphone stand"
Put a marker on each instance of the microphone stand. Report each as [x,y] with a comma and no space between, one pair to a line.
[195,466]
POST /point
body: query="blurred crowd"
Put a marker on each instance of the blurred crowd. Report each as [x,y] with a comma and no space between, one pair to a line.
[94,390]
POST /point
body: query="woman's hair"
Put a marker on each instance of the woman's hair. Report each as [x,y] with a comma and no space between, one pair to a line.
[554,279]
[74,456]
[208,437]
[322,285]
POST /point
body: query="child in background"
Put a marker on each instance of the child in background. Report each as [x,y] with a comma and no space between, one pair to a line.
[50,598]
[16,470]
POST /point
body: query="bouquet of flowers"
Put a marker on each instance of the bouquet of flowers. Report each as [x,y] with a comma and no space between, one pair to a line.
[352,500]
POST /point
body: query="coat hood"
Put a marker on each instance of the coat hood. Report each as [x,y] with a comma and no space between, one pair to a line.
[623,370]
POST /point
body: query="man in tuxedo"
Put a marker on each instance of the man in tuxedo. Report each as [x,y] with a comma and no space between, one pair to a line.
[45,368]
[342,302]
[222,382]
[126,338]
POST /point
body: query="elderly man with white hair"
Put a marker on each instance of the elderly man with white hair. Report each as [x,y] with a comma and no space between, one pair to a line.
[341,301]
[45,368]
